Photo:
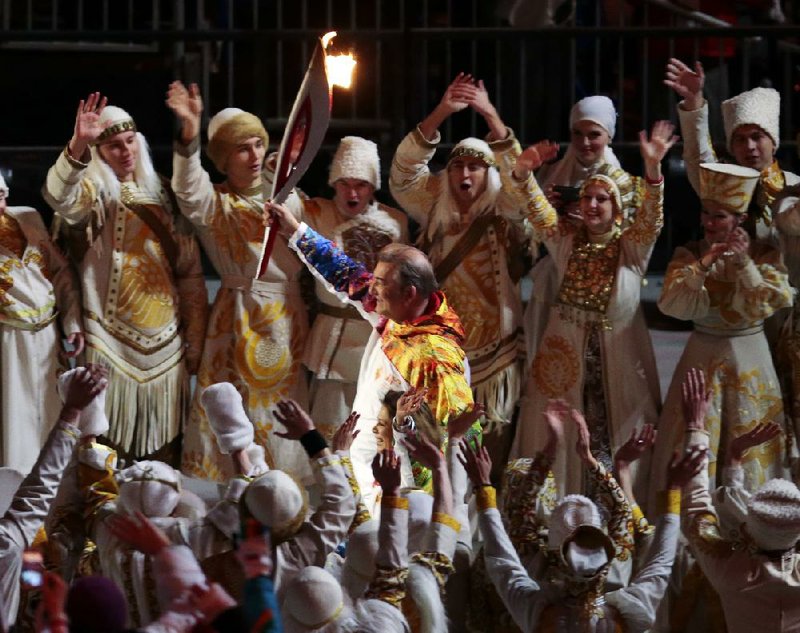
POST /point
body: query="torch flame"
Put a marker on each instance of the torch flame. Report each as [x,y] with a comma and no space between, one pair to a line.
[338,67]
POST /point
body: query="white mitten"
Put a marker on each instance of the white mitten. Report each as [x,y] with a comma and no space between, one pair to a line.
[228,419]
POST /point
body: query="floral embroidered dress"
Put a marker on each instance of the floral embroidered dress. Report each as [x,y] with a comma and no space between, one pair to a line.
[596,351]
[143,310]
[339,334]
[728,305]
[423,353]
[257,328]
[37,287]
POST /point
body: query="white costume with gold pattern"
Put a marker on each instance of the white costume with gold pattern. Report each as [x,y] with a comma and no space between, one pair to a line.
[36,286]
[257,328]
[728,305]
[339,334]
[630,391]
[143,319]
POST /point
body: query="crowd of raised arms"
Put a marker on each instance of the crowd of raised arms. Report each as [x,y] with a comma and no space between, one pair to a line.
[358,434]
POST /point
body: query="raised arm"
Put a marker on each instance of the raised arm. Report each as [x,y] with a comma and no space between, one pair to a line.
[693,115]
[639,442]
[190,182]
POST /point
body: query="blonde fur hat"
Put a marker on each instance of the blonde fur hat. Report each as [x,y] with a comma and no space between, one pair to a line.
[279,502]
[227,129]
[314,599]
[356,157]
[759,106]
[773,515]
[474,148]
[597,109]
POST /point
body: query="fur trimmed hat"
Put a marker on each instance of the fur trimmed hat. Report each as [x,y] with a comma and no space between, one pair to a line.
[759,106]
[227,129]
[356,157]
[116,121]
[227,417]
[93,420]
[277,501]
[474,148]
[597,109]
[773,515]
[313,599]
[728,186]
[150,487]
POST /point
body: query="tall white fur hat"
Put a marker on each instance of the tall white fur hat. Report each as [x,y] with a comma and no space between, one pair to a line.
[277,501]
[773,515]
[356,157]
[597,109]
[116,120]
[759,106]
[227,417]
[474,148]
[93,420]
[150,487]
[313,599]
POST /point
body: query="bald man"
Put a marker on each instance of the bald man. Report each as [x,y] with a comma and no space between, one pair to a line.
[416,341]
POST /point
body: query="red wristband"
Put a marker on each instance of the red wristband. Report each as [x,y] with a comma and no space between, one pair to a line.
[654,182]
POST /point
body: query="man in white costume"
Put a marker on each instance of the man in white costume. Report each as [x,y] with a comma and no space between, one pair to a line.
[361,226]
[258,326]
[144,296]
[38,293]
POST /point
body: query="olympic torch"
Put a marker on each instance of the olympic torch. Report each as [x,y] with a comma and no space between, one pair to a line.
[306,128]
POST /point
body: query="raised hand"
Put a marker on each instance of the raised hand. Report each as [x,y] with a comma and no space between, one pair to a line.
[656,147]
[534,157]
[760,434]
[696,399]
[687,83]
[85,386]
[209,600]
[684,467]
[640,441]
[459,94]
[346,433]
[88,127]
[458,426]
[294,418]
[422,450]
[139,532]
[555,415]
[739,243]
[410,402]
[187,104]
[477,463]
[583,444]
[386,470]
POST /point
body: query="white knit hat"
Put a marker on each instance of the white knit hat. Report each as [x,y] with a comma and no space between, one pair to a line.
[93,420]
[116,121]
[728,186]
[573,512]
[356,157]
[759,106]
[10,480]
[313,599]
[773,515]
[277,501]
[475,148]
[597,109]
[227,417]
[150,487]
